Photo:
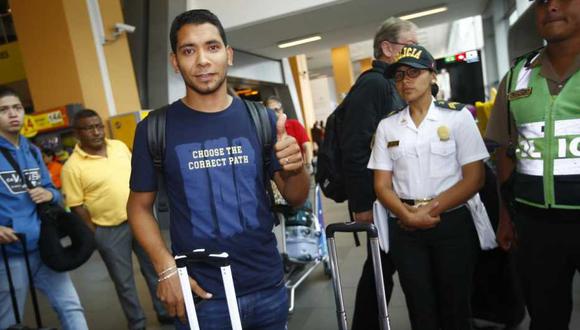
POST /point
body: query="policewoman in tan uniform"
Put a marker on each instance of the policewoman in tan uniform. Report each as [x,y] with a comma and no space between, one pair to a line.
[427,162]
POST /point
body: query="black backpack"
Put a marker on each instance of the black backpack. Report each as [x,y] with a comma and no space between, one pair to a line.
[156,120]
[329,174]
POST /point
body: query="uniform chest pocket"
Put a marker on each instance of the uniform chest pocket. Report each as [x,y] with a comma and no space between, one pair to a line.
[443,160]
[395,153]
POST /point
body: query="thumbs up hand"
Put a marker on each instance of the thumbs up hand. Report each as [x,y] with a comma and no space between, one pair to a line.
[281,127]
[287,150]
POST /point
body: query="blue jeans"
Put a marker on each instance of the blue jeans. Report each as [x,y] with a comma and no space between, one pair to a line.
[57,287]
[262,310]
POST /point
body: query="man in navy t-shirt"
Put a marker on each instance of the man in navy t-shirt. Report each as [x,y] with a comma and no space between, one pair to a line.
[214,177]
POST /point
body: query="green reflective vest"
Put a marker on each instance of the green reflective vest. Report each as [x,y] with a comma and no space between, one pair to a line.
[548,144]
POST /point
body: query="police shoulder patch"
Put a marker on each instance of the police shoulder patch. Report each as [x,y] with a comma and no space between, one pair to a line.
[528,57]
[392,113]
[449,105]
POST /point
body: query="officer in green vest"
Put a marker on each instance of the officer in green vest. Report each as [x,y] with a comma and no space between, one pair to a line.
[536,120]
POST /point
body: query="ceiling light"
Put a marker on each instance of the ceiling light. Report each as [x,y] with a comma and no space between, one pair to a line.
[424,13]
[291,43]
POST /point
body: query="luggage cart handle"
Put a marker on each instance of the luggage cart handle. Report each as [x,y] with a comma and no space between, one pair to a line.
[351,227]
[202,256]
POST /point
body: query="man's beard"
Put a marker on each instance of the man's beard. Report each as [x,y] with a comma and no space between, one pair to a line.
[207,91]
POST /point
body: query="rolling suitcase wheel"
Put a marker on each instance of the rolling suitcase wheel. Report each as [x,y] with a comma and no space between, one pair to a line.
[354,227]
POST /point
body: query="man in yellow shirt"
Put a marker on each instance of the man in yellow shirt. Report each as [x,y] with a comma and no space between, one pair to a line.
[95,183]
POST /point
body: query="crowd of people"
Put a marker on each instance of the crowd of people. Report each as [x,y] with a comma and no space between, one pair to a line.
[420,158]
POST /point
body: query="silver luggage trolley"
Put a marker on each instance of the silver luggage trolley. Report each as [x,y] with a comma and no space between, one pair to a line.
[312,245]
[354,227]
[219,260]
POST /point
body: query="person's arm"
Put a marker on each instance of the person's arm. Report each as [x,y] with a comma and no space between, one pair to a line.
[472,181]
[46,191]
[470,153]
[74,193]
[358,127]
[143,184]
[292,181]
[497,131]
[410,218]
[146,231]
[7,235]
[84,214]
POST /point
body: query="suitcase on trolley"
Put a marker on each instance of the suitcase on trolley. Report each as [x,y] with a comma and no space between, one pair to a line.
[19,325]
[220,260]
[371,230]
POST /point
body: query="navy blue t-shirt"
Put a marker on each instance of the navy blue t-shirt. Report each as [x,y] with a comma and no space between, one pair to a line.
[213,173]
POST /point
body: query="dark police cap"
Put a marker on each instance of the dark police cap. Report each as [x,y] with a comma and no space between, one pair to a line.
[414,56]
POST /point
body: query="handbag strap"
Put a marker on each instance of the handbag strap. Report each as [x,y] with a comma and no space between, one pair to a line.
[16,167]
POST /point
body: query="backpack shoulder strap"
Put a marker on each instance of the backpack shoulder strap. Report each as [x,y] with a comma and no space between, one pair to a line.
[156,135]
[259,114]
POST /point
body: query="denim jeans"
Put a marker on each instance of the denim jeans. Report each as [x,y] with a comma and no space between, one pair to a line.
[262,310]
[57,287]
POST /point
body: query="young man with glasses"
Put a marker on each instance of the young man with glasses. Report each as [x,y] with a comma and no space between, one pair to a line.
[95,183]
[372,98]
[18,216]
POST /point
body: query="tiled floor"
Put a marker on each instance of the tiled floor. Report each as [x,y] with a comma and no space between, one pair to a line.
[315,309]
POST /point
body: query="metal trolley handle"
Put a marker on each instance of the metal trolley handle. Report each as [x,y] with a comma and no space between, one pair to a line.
[351,227]
[220,260]
[371,230]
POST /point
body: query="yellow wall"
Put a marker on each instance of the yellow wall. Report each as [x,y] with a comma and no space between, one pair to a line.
[342,70]
[85,53]
[47,52]
[299,68]
[121,72]
[60,55]
[11,63]
[366,64]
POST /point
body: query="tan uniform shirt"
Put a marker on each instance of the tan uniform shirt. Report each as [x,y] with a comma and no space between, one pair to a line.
[497,126]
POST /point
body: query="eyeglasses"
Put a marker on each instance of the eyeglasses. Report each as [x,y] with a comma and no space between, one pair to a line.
[411,73]
[412,43]
[91,127]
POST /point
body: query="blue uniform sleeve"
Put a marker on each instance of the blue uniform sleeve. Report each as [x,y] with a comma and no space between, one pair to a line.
[274,164]
[45,180]
[143,173]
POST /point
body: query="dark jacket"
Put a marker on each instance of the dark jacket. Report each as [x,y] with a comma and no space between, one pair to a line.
[369,101]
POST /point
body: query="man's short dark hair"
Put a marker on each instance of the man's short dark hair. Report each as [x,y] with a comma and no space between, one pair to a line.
[82,114]
[7,91]
[195,17]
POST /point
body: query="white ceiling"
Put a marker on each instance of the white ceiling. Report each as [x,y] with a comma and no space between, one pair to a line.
[351,22]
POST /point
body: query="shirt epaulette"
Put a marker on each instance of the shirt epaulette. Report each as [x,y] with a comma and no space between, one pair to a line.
[528,57]
[394,113]
[449,105]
